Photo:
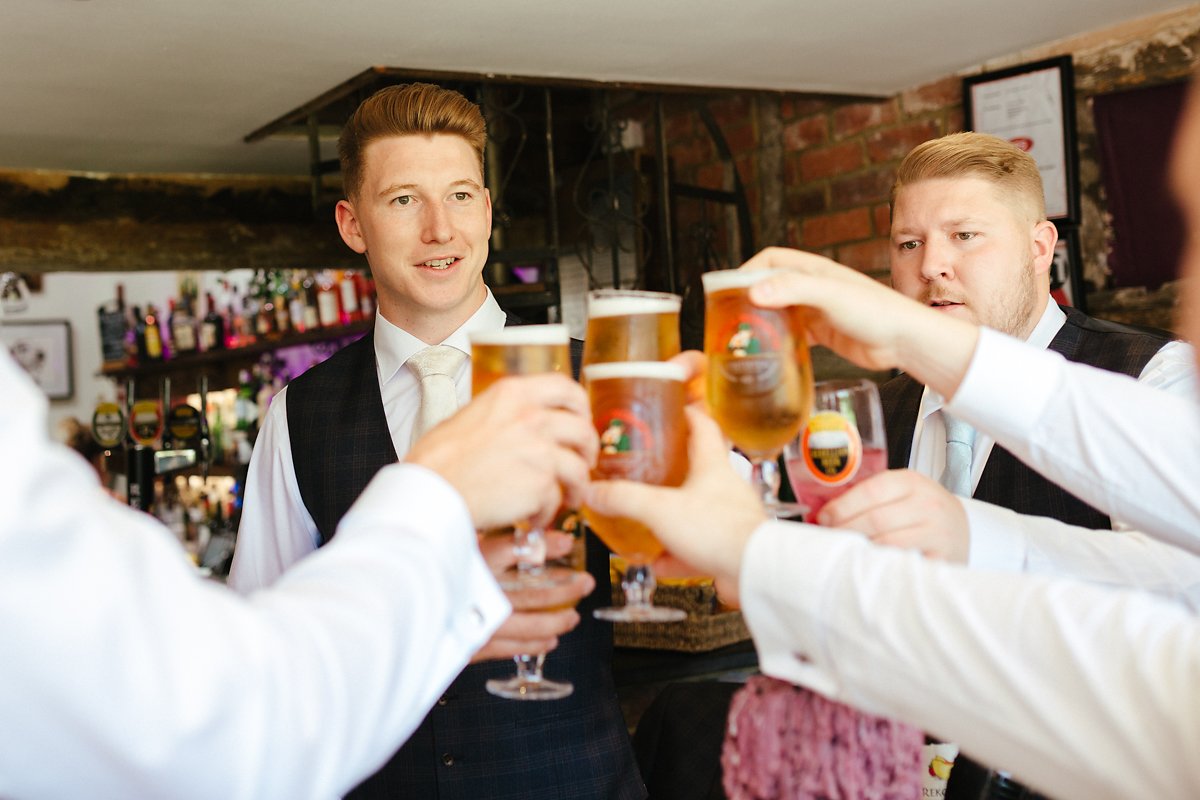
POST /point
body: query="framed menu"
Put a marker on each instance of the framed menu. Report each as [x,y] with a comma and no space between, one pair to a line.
[1033,106]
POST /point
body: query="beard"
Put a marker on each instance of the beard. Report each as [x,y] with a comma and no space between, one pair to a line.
[1014,314]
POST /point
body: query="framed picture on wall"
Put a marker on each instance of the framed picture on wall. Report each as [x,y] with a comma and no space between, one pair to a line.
[43,349]
[1066,271]
[1033,106]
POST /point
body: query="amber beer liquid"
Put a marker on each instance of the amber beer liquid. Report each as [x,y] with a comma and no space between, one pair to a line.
[518,350]
[759,378]
[637,408]
[629,325]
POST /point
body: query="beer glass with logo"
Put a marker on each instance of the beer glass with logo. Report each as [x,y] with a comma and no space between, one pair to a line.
[631,325]
[637,408]
[523,350]
[841,444]
[759,377]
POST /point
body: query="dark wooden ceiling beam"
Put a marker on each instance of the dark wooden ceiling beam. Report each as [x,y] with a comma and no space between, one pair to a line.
[53,222]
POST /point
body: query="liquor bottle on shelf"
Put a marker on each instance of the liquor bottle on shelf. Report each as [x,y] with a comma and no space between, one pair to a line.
[264,320]
[296,304]
[308,285]
[113,319]
[366,294]
[279,298]
[132,352]
[212,328]
[150,336]
[351,311]
[183,328]
[329,306]
[245,321]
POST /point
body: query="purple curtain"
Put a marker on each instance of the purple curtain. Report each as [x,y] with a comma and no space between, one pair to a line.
[1134,130]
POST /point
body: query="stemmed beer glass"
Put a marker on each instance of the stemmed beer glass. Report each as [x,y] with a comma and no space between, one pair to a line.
[637,408]
[523,350]
[759,377]
[842,443]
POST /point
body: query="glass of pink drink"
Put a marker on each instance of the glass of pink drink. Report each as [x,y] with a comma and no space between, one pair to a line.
[842,443]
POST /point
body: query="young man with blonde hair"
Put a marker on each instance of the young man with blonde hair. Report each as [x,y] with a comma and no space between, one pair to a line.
[416,206]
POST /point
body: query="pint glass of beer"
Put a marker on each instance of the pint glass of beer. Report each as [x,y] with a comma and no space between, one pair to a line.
[523,350]
[518,350]
[637,408]
[631,325]
[759,380]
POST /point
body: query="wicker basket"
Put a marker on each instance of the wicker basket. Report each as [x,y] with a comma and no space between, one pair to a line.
[707,627]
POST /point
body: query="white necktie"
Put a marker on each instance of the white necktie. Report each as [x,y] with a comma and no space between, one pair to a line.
[960,438]
[435,368]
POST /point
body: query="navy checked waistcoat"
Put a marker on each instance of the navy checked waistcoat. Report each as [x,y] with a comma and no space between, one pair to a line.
[471,745]
[1005,481]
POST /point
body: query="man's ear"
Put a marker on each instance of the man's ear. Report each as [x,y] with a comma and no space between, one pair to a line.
[347,222]
[1045,237]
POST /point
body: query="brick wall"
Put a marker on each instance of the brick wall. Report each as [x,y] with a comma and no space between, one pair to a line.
[833,159]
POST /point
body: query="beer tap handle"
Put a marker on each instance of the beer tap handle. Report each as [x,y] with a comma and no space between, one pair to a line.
[205,440]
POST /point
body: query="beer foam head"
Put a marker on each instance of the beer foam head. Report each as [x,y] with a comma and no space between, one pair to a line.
[620,303]
[655,370]
[722,279]
[523,334]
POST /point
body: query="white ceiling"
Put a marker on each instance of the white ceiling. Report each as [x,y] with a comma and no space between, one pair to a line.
[173,86]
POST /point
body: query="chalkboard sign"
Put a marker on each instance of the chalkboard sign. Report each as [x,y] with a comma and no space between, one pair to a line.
[112,335]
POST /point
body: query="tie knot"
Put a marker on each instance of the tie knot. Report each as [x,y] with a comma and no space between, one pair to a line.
[439,359]
[958,431]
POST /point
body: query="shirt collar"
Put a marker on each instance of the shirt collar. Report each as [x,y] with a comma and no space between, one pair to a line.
[394,345]
[1053,318]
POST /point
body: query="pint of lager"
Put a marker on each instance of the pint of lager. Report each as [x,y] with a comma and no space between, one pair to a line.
[630,325]
[637,408]
[518,350]
[759,381]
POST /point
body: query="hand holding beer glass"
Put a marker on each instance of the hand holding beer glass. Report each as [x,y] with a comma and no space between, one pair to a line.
[631,325]
[523,350]
[842,443]
[759,377]
[637,408]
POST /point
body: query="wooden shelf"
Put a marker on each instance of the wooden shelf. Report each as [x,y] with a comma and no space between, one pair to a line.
[247,353]
[220,367]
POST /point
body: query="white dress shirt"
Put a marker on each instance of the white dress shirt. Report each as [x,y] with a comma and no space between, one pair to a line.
[126,674]
[1173,368]
[276,529]
[1004,540]
[1082,691]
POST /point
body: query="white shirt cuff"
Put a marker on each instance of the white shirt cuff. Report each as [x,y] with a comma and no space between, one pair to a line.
[442,519]
[994,543]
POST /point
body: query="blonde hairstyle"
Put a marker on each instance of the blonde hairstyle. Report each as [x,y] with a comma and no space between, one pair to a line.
[977,155]
[414,108]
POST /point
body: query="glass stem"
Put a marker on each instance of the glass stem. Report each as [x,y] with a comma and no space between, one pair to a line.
[529,668]
[529,544]
[639,585]
[765,477]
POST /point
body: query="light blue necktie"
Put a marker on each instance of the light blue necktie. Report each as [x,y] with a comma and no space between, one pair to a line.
[960,438]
